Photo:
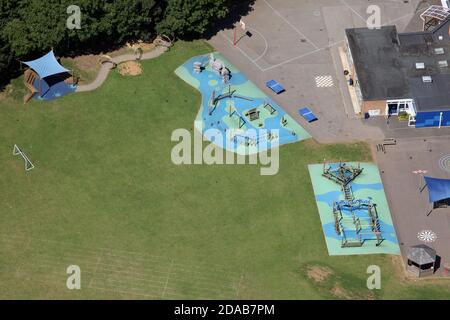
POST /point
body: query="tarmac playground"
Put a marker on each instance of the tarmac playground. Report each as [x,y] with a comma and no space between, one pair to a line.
[356,225]
[238,111]
[299,49]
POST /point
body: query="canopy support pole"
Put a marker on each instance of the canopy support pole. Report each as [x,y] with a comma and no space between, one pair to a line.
[421,188]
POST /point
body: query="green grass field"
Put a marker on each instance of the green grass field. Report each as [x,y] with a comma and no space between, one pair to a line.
[105,196]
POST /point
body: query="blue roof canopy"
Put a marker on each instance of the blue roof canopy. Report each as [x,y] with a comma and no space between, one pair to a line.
[46,65]
[438,189]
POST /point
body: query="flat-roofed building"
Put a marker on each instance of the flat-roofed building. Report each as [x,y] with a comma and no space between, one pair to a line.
[405,73]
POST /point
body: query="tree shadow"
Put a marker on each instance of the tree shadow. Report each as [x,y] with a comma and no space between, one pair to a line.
[11,72]
[236,13]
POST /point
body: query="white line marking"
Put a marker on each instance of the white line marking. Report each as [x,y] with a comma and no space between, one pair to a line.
[302,56]
[167,280]
[242,51]
[27,245]
[317,49]
[291,25]
[265,43]
[399,18]
[324,81]
[238,287]
[291,59]
[120,273]
[95,271]
[126,292]
[354,11]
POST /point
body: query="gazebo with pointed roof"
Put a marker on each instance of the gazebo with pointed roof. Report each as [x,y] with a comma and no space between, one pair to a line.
[421,260]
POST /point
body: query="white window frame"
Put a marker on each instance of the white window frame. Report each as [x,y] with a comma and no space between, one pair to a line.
[410,107]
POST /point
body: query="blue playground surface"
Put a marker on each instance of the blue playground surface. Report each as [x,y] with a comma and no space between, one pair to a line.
[368,194]
[243,115]
[52,87]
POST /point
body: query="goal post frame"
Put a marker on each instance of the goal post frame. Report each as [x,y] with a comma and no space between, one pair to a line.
[28,164]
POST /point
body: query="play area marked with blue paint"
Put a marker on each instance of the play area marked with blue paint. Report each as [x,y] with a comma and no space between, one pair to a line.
[53,87]
[356,221]
[236,108]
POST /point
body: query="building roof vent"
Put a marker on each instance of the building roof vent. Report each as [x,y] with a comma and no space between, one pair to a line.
[420,65]
[443,64]
[439,50]
[427,79]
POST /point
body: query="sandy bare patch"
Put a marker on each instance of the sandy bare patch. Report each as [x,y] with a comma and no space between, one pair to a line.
[13,90]
[86,67]
[87,62]
[144,46]
[371,296]
[318,273]
[340,292]
[130,68]
[5,93]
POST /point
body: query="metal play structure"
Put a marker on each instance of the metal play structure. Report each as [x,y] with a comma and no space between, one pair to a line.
[241,120]
[434,16]
[355,220]
[252,140]
[269,107]
[214,100]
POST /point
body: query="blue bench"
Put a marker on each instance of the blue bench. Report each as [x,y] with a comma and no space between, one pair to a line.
[275,86]
[307,114]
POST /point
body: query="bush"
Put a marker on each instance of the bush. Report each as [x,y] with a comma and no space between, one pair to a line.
[403,116]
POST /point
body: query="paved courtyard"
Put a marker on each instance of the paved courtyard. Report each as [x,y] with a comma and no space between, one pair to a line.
[296,43]
[410,206]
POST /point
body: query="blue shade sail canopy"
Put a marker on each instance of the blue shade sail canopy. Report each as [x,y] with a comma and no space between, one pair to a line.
[46,65]
[438,189]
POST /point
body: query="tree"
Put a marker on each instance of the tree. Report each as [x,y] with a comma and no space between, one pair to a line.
[29,28]
[184,17]
[6,57]
[35,26]
[132,19]
[6,62]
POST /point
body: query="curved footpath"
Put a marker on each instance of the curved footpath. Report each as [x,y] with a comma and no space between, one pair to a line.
[106,67]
